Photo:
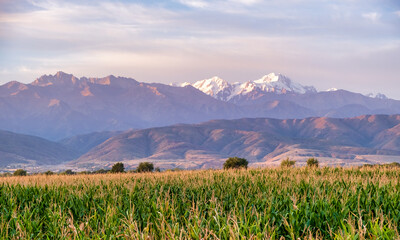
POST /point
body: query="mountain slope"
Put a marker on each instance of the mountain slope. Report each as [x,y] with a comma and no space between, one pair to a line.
[83,143]
[61,105]
[16,149]
[259,140]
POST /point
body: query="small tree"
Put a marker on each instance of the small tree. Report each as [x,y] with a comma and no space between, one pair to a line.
[288,163]
[68,172]
[48,173]
[145,167]
[20,172]
[118,168]
[312,162]
[235,162]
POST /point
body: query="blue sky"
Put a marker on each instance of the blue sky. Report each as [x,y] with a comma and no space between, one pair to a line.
[349,44]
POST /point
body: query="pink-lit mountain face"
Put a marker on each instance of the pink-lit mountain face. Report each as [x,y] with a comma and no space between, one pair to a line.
[368,139]
[62,105]
[350,141]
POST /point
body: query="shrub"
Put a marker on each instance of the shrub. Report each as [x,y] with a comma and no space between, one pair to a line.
[68,172]
[312,162]
[145,167]
[118,168]
[288,163]
[101,171]
[20,172]
[48,173]
[235,162]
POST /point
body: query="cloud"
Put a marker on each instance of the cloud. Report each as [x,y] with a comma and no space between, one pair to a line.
[373,16]
[247,2]
[397,13]
[194,3]
[183,40]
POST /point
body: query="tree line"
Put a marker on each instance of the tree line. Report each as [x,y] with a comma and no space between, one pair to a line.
[230,163]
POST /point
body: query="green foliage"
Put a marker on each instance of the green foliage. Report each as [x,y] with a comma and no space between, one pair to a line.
[118,168]
[312,162]
[280,203]
[145,167]
[19,172]
[287,163]
[235,162]
[48,173]
[68,172]
[101,171]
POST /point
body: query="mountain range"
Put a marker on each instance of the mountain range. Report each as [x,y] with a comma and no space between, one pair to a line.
[367,139]
[59,106]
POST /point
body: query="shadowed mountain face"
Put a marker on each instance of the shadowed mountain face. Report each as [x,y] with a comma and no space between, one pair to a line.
[259,140]
[61,105]
[17,149]
[83,143]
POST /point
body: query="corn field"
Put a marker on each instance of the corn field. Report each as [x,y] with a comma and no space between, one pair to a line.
[281,203]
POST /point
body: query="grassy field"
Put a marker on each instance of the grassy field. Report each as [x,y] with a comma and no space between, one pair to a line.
[324,203]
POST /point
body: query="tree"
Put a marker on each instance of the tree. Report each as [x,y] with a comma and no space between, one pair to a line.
[145,167]
[288,163]
[312,162]
[20,172]
[118,168]
[68,172]
[48,173]
[235,162]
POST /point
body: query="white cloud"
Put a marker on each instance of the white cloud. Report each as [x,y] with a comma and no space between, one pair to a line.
[194,3]
[247,2]
[373,16]
[236,39]
[397,13]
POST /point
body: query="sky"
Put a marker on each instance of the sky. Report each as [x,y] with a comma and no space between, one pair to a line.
[345,44]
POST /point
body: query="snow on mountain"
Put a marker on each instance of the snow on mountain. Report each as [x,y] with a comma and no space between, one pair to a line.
[332,90]
[281,84]
[215,87]
[378,96]
[277,83]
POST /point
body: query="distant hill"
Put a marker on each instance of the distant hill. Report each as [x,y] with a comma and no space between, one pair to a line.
[21,150]
[83,143]
[262,141]
[61,105]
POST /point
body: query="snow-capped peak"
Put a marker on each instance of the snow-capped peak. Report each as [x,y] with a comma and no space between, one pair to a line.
[223,90]
[281,84]
[215,87]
